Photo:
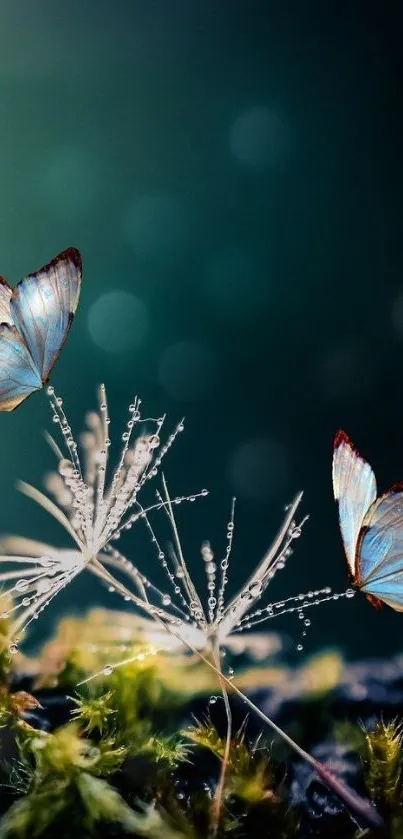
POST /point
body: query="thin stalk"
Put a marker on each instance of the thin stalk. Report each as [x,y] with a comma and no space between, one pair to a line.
[219,793]
[363,809]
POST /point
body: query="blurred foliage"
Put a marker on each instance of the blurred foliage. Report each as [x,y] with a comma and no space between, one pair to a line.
[124,760]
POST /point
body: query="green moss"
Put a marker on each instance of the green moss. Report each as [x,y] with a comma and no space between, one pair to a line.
[121,765]
[251,778]
[384,763]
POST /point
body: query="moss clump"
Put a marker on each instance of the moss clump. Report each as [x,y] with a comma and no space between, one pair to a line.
[128,763]
[254,792]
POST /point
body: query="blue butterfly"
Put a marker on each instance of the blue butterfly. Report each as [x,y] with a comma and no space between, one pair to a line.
[35,318]
[371,527]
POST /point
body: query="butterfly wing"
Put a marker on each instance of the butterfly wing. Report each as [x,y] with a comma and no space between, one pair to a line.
[5,297]
[18,375]
[380,549]
[354,487]
[43,306]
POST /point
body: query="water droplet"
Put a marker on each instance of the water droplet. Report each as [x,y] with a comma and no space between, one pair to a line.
[255,588]
[213,700]
[66,468]
[13,649]
[300,648]
[307,622]
[43,586]
[50,391]
[166,600]
[350,592]
[21,585]
[108,670]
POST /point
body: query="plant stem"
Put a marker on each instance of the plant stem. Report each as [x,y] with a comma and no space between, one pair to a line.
[219,793]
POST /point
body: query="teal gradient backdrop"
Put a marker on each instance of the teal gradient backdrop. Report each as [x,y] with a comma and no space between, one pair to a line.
[231,172]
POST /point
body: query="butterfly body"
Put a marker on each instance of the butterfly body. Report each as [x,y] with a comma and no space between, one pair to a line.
[371,527]
[35,318]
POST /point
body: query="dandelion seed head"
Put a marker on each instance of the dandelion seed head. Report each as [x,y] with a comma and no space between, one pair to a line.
[94,502]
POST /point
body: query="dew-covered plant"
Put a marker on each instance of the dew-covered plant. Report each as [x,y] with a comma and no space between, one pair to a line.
[93,503]
[95,508]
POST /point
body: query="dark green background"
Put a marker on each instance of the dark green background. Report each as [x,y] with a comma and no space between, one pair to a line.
[115,126]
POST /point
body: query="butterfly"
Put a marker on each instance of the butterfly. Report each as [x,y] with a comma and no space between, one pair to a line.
[371,526]
[35,318]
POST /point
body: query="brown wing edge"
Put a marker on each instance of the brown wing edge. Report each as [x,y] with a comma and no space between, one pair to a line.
[340,438]
[69,253]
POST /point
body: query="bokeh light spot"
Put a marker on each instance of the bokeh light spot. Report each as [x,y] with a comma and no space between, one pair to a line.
[117,321]
[156,226]
[187,371]
[259,139]
[259,469]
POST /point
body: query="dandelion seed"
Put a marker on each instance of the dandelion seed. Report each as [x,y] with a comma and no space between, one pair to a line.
[93,503]
[209,628]
[213,625]
[205,634]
